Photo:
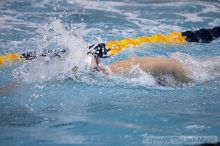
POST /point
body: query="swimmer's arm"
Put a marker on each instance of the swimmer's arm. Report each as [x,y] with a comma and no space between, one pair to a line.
[123,66]
[155,66]
[8,87]
[178,72]
[181,76]
[172,67]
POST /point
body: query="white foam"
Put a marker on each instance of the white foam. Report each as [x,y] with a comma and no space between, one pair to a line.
[192,17]
[46,68]
[138,76]
[199,69]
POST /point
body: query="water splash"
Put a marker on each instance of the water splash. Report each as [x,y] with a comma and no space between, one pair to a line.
[54,36]
[199,69]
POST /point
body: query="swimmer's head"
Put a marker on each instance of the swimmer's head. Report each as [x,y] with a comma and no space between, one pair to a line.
[92,61]
[99,51]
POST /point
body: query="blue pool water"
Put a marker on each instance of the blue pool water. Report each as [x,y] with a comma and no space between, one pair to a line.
[51,106]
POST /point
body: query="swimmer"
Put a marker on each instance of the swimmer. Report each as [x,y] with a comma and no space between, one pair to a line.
[156,66]
[183,68]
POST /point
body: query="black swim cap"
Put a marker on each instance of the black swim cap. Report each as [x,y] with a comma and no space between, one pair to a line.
[99,50]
